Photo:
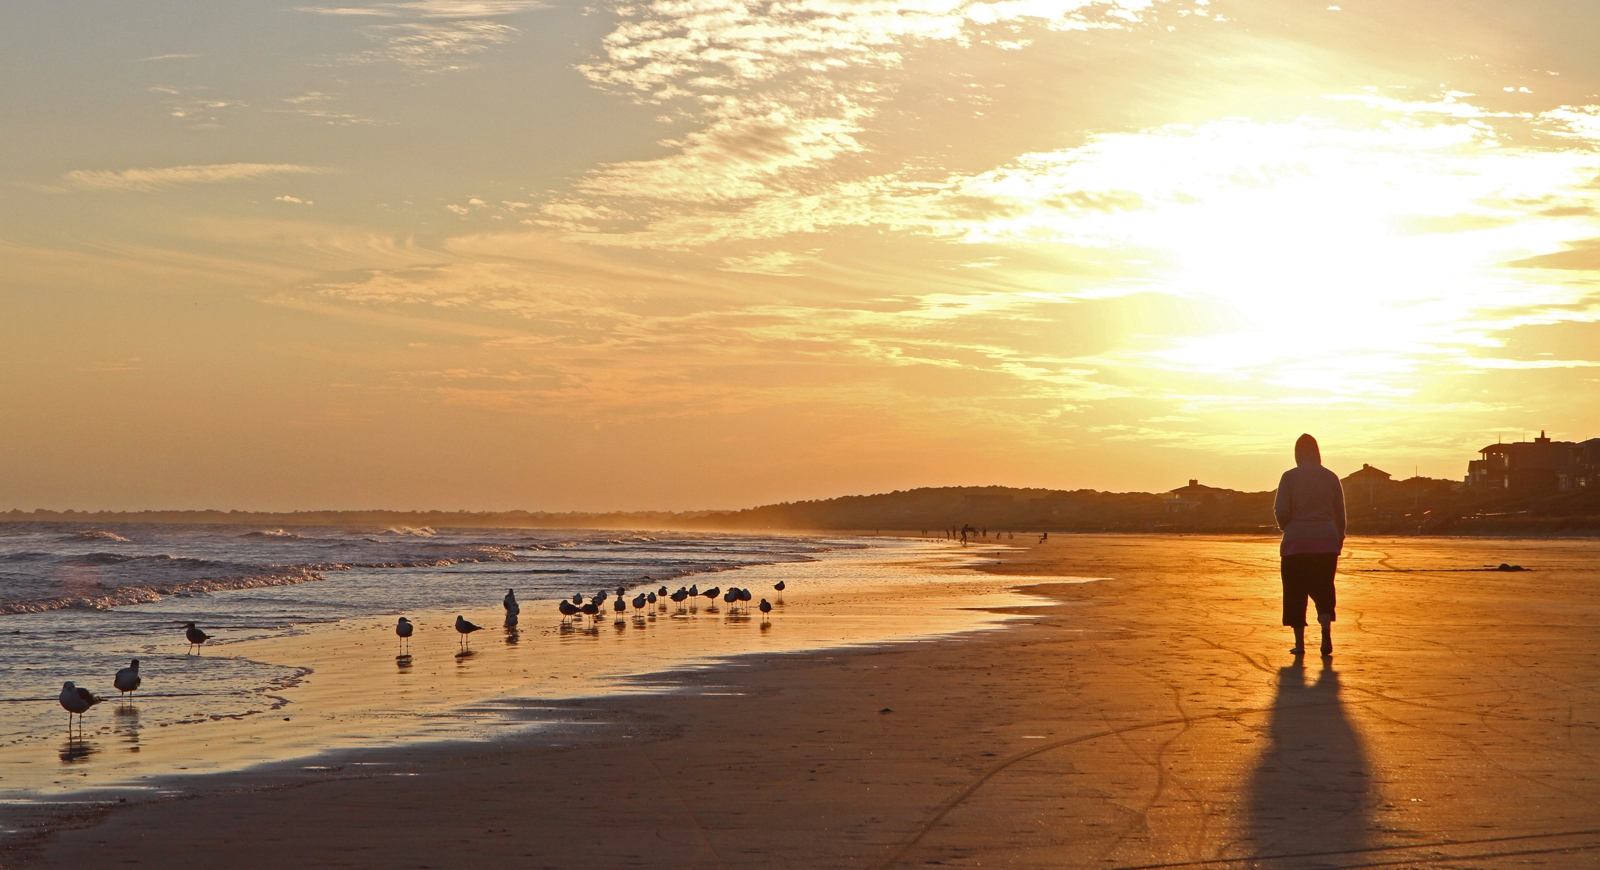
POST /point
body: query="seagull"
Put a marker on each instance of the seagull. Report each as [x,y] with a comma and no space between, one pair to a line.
[577,598]
[127,679]
[568,609]
[195,636]
[403,628]
[651,597]
[510,601]
[730,597]
[662,592]
[640,600]
[765,607]
[466,628]
[780,586]
[621,592]
[678,597]
[76,700]
[621,607]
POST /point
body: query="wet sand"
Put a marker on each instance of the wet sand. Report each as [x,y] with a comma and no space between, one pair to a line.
[1155,719]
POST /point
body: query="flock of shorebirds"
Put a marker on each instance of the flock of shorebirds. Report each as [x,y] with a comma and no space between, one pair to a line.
[645,604]
[77,700]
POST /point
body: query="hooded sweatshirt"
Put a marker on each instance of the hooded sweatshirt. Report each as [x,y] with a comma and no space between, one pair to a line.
[1310,504]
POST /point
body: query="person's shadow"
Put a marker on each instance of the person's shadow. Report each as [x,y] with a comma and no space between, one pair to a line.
[1309,793]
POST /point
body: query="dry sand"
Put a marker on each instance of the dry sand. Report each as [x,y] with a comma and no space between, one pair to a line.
[1154,719]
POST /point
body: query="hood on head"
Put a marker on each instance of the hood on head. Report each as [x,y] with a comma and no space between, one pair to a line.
[1306,451]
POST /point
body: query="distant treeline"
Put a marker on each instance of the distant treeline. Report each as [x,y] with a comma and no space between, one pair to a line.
[1415,506]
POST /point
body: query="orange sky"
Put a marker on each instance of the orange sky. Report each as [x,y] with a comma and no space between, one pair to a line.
[492,254]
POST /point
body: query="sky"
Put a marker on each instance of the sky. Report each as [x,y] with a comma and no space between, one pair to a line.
[677,254]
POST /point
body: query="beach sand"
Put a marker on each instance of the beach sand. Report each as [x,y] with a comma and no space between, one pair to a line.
[1151,719]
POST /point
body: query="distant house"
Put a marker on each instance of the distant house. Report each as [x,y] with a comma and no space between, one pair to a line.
[1193,497]
[1537,466]
[1366,486]
[1583,467]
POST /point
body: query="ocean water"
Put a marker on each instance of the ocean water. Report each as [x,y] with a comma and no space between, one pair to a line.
[77,602]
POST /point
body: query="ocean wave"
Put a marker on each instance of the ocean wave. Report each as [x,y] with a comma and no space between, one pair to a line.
[271,535]
[95,535]
[408,531]
[102,597]
[96,560]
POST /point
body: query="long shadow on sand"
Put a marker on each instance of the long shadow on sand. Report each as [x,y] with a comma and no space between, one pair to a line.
[1309,792]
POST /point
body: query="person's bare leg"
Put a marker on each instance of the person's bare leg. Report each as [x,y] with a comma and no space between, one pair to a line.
[1327,636]
[1299,640]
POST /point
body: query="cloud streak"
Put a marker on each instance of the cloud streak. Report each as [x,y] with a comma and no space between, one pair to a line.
[163,178]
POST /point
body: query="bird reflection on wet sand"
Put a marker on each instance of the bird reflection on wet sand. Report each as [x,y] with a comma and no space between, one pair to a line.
[126,725]
[76,749]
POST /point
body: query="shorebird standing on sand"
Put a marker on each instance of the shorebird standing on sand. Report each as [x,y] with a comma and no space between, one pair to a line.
[195,636]
[76,700]
[127,680]
[403,629]
[621,607]
[466,628]
[765,607]
[568,609]
[779,586]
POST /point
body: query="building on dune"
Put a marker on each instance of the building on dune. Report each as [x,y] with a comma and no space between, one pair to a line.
[1538,466]
[1196,495]
[1368,486]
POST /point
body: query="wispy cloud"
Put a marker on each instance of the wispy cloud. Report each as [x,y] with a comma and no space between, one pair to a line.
[167,57]
[431,35]
[199,107]
[430,9]
[144,180]
[323,107]
[777,92]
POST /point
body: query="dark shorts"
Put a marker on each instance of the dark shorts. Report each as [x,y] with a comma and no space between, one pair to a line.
[1308,575]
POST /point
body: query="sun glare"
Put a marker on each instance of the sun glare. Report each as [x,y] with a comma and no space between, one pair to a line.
[1357,258]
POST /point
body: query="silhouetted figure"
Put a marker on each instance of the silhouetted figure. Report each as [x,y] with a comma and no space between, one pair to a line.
[1310,511]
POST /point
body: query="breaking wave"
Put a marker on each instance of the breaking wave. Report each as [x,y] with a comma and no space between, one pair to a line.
[96,535]
[97,596]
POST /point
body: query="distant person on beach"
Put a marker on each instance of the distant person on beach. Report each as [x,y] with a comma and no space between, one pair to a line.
[1310,511]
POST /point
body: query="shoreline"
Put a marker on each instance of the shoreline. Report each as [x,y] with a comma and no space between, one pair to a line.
[1152,720]
[349,694]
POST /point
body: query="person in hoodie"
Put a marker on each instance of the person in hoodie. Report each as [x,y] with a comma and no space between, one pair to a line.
[1310,511]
